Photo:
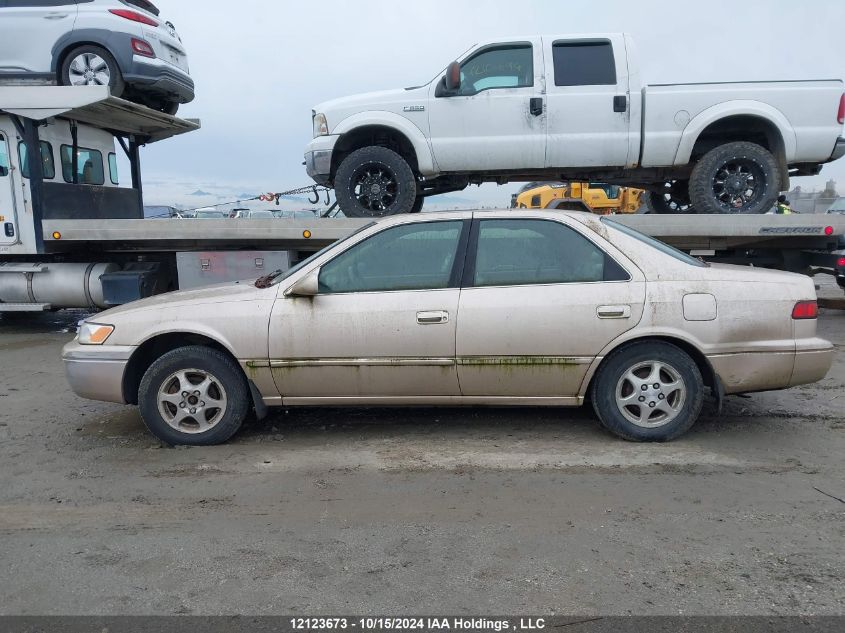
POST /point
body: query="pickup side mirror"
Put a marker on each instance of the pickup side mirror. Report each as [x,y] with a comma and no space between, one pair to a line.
[453,77]
[308,286]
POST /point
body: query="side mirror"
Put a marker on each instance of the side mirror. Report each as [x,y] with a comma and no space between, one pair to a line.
[453,77]
[308,286]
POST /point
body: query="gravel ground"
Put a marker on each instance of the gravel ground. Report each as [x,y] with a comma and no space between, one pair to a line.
[414,511]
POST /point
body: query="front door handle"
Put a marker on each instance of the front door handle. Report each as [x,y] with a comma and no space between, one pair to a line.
[433,317]
[614,312]
[536,106]
[56,16]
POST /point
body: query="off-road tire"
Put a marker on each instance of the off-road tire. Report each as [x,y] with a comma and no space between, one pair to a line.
[117,85]
[701,185]
[202,358]
[678,205]
[618,363]
[380,158]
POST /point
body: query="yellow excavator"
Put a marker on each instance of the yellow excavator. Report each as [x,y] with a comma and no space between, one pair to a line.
[595,197]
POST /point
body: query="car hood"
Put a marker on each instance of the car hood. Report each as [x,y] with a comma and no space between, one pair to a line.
[218,293]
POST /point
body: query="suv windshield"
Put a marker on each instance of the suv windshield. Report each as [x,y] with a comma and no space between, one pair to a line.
[655,243]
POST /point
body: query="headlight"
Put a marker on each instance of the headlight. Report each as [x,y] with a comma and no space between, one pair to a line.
[321,126]
[94,333]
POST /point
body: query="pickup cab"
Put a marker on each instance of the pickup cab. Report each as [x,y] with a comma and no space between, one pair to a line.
[573,108]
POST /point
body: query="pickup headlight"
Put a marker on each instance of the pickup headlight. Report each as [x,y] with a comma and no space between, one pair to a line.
[94,333]
[321,125]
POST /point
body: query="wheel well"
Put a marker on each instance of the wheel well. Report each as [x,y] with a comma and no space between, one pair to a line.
[741,128]
[704,366]
[153,349]
[369,136]
[60,58]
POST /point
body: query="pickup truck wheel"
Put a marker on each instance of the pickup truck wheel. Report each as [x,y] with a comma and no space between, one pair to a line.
[648,392]
[672,199]
[373,182]
[735,178]
[92,66]
[418,204]
[194,396]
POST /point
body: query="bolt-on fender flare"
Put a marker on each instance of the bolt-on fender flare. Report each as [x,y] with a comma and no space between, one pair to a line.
[422,148]
[728,109]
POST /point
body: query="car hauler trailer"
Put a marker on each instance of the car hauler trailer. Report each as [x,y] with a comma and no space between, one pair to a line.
[70,237]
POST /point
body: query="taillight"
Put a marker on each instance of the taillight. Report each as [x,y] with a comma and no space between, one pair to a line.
[841,117]
[142,48]
[143,19]
[828,230]
[805,310]
[840,263]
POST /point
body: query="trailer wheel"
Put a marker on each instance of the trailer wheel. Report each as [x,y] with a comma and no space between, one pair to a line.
[374,182]
[92,66]
[674,198]
[735,178]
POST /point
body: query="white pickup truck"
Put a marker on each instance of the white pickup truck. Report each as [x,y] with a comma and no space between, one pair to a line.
[574,108]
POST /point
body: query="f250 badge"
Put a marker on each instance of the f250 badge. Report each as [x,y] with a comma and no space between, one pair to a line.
[414,108]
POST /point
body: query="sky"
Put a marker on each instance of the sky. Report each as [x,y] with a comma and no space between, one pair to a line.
[260,66]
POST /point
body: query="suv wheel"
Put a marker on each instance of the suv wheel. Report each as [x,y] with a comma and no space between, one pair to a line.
[373,182]
[92,66]
[194,396]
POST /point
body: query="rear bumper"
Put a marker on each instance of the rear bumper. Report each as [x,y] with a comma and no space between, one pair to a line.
[158,77]
[96,373]
[813,359]
[838,149]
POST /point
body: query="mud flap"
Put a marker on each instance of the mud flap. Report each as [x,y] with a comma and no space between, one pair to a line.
[718,392]
[261,409]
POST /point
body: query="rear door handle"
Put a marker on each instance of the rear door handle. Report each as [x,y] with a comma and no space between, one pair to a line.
[620,103]
[614,312]
[536,106]
[433,317]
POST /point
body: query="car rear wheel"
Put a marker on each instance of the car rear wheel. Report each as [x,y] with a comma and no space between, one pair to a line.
[194,396]
[374,182]
[92,66]
[648,392]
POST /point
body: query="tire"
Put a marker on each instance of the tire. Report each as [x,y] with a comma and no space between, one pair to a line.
[735,178]
[623,374]
[182,370]
[169,107]
[374,182]
[81,60]
[418,205]
[673,199]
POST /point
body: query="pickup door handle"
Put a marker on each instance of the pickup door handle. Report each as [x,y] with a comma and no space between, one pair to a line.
[614,312]
[536,106]
[620,103]
[434,317]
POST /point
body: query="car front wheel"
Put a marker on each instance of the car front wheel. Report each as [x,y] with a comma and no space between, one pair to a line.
[648,392]
[92,66]
[194,396]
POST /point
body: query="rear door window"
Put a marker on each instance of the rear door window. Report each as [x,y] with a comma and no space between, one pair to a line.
[48,166]
[89,166]
[584,63]
[536,252]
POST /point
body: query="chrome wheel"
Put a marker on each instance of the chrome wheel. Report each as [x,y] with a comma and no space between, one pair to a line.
[192,401]
[651,394]
[89,69]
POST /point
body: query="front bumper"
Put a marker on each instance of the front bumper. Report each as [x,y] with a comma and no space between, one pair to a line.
[96,372]
[159,77]
[318,159]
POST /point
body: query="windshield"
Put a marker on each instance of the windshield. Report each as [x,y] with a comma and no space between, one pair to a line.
[280,275]
[655,243]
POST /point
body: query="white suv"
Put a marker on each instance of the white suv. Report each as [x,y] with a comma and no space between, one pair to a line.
[120,43]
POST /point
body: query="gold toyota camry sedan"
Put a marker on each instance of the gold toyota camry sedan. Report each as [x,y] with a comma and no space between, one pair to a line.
[473,308]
